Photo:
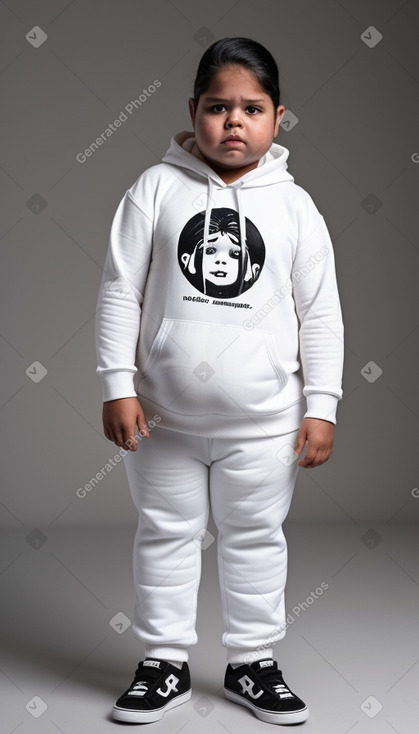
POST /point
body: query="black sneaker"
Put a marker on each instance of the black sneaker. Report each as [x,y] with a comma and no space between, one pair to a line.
[157,687]
[261,687]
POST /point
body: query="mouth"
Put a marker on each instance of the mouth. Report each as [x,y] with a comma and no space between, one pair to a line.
[233,140]
[218,273]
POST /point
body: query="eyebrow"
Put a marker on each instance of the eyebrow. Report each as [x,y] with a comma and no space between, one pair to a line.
[247,101]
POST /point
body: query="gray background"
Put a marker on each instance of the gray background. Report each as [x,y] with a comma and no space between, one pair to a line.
[65,567]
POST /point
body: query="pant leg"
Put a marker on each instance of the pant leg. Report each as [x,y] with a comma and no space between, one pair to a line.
[168,480]
[251,488]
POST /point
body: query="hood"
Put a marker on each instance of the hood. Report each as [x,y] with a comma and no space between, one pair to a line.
[272,169]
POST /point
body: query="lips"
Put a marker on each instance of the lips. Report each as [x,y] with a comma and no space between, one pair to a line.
[233,139]
[219,273]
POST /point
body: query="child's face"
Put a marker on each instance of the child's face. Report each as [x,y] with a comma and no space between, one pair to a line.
[220,259]
[234,105]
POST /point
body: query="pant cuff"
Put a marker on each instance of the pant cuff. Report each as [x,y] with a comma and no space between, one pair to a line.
[167,652]
[242,655]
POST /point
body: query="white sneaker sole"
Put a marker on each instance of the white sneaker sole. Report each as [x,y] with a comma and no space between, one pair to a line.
[270,717]
[145,717]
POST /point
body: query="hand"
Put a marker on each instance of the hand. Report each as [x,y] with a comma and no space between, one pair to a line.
[120,420]
[319,434]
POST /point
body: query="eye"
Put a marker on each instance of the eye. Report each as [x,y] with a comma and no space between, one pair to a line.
[210,250]
[217,108]
[234,253]
[252,110]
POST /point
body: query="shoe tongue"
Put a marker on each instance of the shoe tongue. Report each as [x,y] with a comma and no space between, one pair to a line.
[265,667]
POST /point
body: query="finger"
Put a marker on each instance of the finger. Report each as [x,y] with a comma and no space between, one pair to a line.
[308,459]
[112,436]
[128,440]
[119,437]
[300,442]
[320,457]
[142,423]
[118,441]
[298,447]
[131,443]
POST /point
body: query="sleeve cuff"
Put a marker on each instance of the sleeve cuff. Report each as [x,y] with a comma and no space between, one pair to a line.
[322,406]
[117,385]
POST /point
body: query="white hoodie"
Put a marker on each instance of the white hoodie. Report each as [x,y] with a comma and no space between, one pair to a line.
[201,290]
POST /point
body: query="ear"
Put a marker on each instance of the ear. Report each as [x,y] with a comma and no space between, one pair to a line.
[256,271]
[192,110]
[280,110]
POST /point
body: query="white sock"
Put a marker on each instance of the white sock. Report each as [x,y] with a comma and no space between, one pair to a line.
[176,663]
[237,665]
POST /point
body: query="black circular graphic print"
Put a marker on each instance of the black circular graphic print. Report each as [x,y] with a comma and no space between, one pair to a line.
[225,265]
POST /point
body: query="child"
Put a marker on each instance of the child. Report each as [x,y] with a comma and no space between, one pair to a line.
[220,337]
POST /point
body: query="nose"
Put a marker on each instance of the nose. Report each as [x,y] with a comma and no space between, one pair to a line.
[234,119]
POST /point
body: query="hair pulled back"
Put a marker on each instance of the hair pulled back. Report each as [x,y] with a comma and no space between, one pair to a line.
[238,51]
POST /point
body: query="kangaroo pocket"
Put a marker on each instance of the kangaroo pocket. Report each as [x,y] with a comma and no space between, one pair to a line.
[195,368]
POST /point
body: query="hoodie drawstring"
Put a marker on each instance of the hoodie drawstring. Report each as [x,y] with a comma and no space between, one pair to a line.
[242,225]
[208,209]
[207,218]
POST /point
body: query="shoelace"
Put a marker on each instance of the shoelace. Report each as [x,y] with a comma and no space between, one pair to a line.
[139,688]
[282,690]
[273,678]
[142,686]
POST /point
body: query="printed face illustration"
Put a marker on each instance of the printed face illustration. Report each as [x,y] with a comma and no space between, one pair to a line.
[220,260]
[216,259]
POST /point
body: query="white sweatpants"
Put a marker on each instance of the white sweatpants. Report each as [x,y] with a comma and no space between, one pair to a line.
[250,482]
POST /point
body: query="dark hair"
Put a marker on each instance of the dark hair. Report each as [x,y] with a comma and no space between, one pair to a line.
[240,52]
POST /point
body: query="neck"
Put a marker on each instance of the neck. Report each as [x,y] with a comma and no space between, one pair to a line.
[228,175]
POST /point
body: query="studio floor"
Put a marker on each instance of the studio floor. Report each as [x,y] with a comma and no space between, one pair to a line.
[351,652]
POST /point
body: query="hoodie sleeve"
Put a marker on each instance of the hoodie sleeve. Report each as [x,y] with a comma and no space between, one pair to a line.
[318,308]
[120,297]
